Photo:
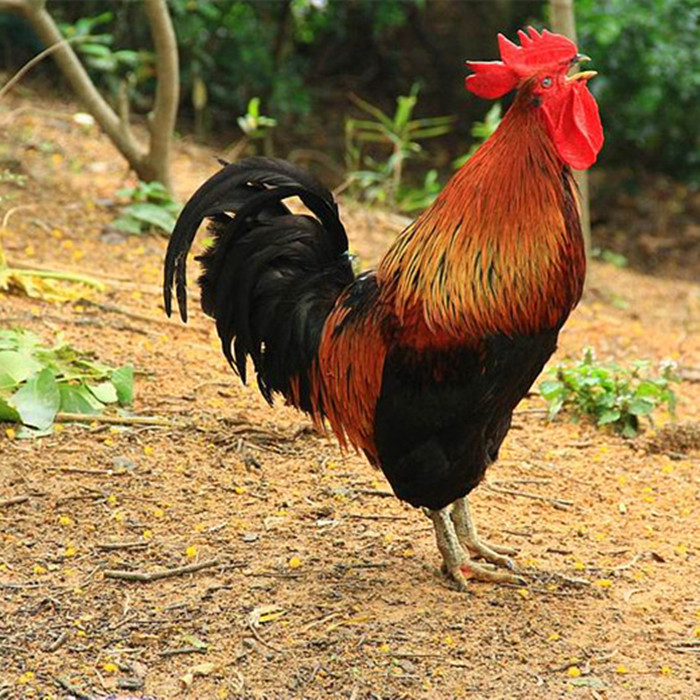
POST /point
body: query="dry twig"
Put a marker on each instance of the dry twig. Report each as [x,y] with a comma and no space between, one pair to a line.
[57,643]
[251,627]
[134,544]
[556,502]
[146,577]
[16,500]
[115,420]
[183,650]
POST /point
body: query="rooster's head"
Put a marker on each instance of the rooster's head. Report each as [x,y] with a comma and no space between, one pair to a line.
[540,68]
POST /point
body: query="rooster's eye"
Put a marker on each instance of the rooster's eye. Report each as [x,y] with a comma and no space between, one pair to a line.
[546,82]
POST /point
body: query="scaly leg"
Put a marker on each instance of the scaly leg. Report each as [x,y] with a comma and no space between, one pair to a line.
[456,563]
[453,556]
[466,532]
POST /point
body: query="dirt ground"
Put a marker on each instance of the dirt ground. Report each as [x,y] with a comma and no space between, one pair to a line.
[322,586]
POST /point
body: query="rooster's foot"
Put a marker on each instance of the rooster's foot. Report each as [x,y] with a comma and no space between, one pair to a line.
[490,574]
[467,535]
[456,563]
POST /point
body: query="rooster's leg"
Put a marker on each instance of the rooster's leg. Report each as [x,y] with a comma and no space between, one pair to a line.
[456,563]
[453,557]
[466,532]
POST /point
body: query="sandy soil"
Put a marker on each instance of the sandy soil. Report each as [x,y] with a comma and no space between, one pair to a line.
[324,585]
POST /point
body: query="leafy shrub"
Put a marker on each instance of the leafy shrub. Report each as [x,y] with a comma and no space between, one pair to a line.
[610,394]
[399,135]
[36,382]
[119,70]
[257,131]
[648,56]
[152,206]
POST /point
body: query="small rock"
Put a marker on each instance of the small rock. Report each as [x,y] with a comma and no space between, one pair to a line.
[130,683]
[122,462]
[112,235]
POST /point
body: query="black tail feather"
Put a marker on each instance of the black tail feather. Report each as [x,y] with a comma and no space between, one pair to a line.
[271,277]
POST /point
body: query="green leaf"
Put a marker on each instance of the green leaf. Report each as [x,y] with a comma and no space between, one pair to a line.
[7,413]
[77,398]
[549,389]
[640,407]
[107,64]
[27,433]
[374,111]
[123,381]
[127,224]
[609,416]
[629,430]
[104,391]
[648,388]
[16,367]
[38,400]
[18,339]
[151,214]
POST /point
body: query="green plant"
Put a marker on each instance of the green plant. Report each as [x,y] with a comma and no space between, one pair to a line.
[608,393]
[120,70]
[610,256]
[37,382]
[381,180]
[647,54]
[413,199]
[481,131]
[256,128]
[152,206]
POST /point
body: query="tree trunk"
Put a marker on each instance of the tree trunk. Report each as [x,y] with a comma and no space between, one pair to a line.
[152,163]
[564,22]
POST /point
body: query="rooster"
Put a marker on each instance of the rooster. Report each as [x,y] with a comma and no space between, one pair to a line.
[420,363]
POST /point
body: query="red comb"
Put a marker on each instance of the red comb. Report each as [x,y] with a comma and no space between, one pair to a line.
[492,79]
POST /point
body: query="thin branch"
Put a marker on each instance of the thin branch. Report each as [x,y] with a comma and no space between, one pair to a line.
[374,492]
[14,501]
[136,544]
[257,636]
[146,577]
[58,643]
[37,59]
[556,502]
[63,417]
[183,650]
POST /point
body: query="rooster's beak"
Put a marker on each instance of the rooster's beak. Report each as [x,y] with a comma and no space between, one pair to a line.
[583,75]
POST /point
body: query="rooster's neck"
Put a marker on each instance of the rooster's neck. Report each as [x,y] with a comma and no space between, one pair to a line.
[500,250]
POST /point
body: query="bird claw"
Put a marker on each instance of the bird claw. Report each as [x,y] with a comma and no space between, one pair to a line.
[490,553]
[480,572]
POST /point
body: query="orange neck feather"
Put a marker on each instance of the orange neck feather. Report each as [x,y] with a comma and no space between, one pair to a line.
[499,252]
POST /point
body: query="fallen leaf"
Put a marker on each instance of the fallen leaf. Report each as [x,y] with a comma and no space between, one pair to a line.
[205,669]
[264,613]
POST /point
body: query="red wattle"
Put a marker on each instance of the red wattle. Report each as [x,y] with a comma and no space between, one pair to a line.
[577,130]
